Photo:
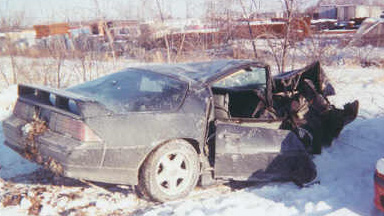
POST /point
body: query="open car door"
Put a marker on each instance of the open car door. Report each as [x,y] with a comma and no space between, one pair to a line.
[260,152]
[249,144]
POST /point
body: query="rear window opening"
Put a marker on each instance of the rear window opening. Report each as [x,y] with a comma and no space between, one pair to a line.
[64,103]
[46,97]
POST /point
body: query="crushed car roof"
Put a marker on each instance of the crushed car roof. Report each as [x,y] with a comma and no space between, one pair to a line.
[202,72]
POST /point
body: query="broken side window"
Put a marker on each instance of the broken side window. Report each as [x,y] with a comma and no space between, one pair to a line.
[252,77]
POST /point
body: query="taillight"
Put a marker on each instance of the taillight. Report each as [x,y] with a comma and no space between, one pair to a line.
[77,129]
[81,131]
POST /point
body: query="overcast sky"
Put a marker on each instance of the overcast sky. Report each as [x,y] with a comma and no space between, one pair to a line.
[44,11]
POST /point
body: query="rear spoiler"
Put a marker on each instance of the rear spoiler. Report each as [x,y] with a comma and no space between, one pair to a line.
[52,98]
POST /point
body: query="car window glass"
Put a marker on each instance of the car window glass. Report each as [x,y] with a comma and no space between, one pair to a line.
[151,85]
[249,77]
[136,91]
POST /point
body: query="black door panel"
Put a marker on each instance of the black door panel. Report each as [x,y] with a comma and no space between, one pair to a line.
[246,152]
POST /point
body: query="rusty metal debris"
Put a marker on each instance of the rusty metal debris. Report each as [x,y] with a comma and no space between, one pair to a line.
[33,129]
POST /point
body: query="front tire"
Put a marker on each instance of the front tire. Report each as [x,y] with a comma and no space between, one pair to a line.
[170,172]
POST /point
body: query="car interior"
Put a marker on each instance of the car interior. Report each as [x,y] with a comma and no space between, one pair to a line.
[241,95]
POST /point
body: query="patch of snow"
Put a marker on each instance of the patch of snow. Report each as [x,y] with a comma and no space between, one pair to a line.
[7,99]
[11,163]
[25,203]
[343,211]
[363,84]
[47,210]
[323,20]
[380,166]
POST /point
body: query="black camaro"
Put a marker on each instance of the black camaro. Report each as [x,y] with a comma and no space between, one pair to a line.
[165,127]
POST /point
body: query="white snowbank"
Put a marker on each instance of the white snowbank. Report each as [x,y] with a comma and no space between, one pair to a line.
[364,84]
[7,98]
[11,164]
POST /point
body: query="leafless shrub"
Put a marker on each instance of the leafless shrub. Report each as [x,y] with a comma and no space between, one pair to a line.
[245,14]
[4,76]
[86,65]
[58,51]
[319,48]
[366,56]
[14,21]
[165,34]
[12,52]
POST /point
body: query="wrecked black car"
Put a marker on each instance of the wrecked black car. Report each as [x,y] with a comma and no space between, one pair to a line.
[165,128]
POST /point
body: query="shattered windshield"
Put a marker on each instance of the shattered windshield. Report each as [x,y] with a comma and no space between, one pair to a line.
[134,90]
[252,77]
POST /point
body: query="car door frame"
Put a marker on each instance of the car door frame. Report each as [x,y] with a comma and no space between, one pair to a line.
[243,150]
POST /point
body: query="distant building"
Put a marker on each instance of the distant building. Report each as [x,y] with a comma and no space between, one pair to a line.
[344,10]
[22,39]
[51,29]
[270,14]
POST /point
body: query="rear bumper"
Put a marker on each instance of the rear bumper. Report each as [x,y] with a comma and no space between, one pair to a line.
[379,191]
[75,159]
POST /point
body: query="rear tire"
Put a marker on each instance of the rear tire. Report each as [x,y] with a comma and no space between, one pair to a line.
[170,172]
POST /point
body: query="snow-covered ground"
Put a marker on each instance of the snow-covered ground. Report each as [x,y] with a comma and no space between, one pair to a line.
[11,164]
[345,171]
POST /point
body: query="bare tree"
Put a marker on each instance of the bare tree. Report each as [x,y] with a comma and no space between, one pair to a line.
[318,48]
[289,10]
[12,23]
[106,29]
[165,33]
[86,66]
[58,51]
[12,51]
[281,44]
[245,14]
[180,47]
[4,76]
